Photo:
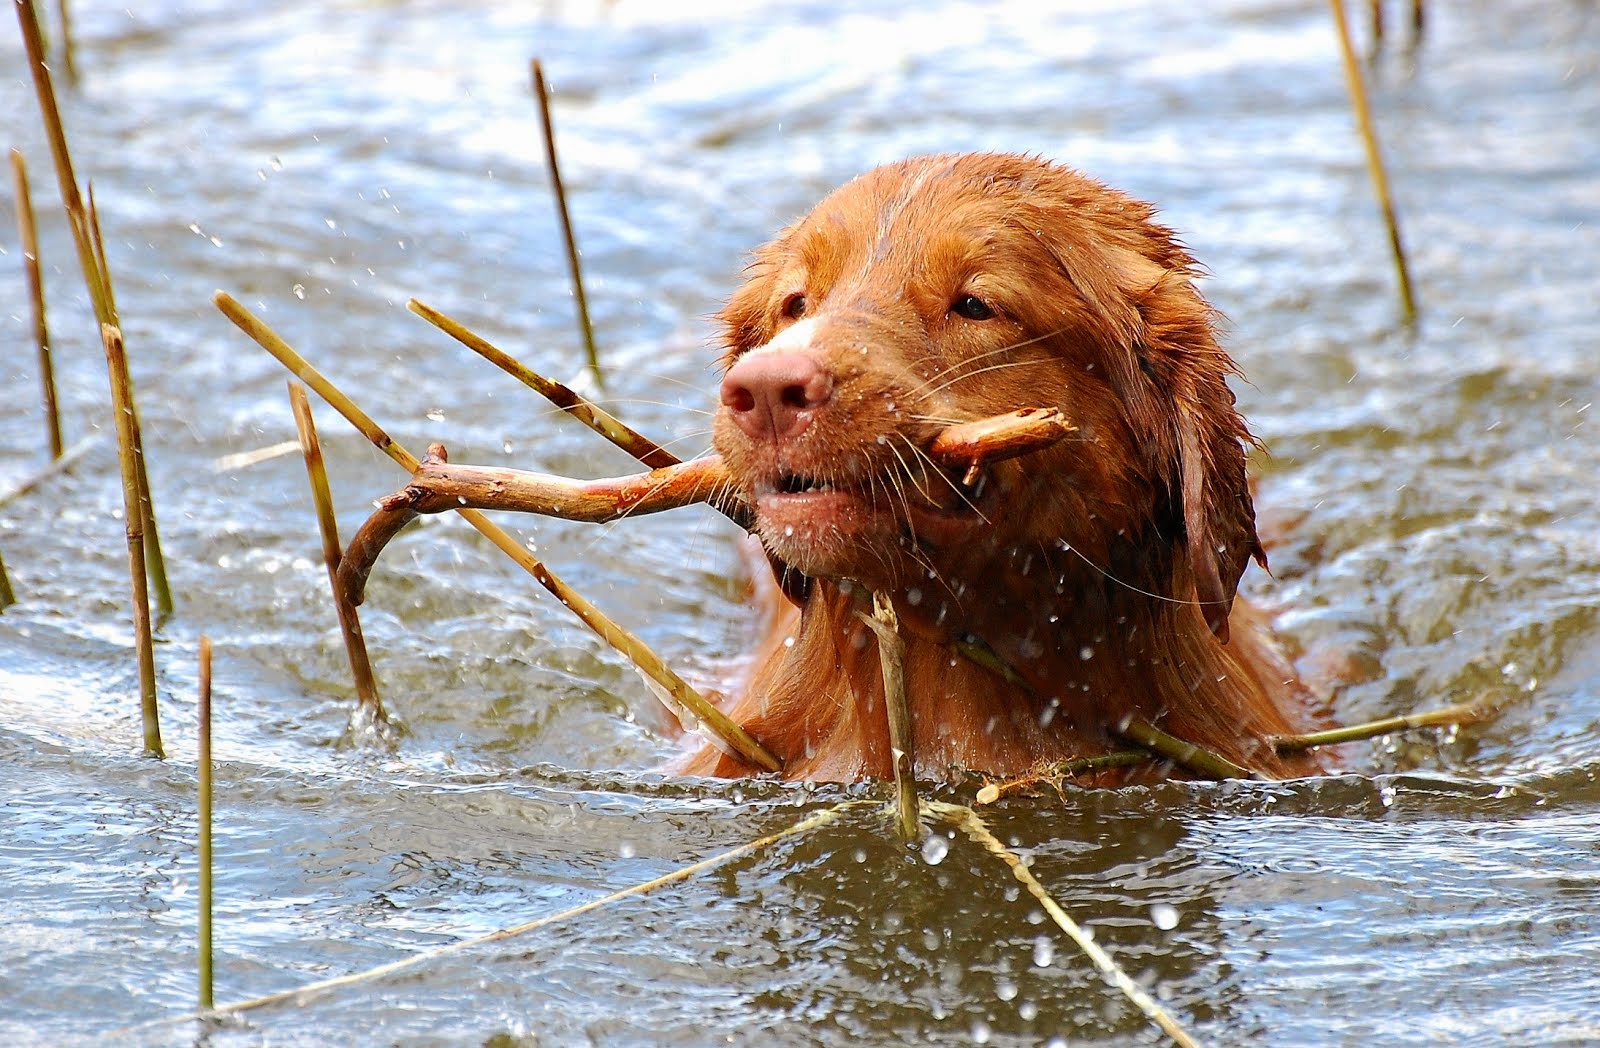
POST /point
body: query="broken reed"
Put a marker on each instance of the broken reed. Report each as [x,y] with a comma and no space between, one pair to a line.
[586,329]
[573,403]
[127,441]
[1056,774]
[1189,756]
[69,61]
[1419,19]
[85,224]
[1375,168]
[302,994]
[959,816]
[1446,717]
[725,731]
[68,459]
[28,232]
[1185,754]
[892,661]
[8,596]
[370,705]
[971,823]
[203,761]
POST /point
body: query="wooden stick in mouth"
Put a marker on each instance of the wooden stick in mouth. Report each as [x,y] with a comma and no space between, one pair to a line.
[437,486]
[989,440]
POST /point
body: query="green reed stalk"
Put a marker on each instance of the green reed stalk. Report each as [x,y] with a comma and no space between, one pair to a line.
[1369,139]
[29,233]
[127,441]
[204,762]
[572,402]
[355,644]
[1186,755]
[1447,717]
[8,596]
[85,224]
[542,93]
[69,61]
[892,658]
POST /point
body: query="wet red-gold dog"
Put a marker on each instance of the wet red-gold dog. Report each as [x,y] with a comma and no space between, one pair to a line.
[1102,570]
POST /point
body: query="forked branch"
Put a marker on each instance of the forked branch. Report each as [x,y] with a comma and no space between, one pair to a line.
[437,486]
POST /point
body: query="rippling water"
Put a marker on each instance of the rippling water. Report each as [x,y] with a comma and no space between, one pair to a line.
[324,165]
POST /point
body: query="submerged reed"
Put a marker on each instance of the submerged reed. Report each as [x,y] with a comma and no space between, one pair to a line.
[68,459]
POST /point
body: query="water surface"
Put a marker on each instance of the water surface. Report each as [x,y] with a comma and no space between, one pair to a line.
[325,165]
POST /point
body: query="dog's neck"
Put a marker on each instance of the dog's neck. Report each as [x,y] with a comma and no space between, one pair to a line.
[1074,657]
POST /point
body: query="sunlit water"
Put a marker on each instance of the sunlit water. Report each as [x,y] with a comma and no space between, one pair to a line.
[325,163]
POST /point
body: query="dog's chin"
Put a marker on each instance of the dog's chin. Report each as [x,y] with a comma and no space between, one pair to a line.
[843,533]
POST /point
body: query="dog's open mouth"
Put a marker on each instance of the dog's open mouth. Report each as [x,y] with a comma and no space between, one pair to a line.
[802,484]
[824,523]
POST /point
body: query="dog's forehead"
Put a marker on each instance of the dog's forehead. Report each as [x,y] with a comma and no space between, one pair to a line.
[953,207]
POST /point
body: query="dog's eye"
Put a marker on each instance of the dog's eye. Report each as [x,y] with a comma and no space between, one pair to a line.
[972,307]
[794,307]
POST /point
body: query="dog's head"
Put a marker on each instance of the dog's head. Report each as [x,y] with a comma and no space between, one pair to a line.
[950,288]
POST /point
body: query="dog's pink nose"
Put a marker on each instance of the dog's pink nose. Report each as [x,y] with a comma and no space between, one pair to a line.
[773,395]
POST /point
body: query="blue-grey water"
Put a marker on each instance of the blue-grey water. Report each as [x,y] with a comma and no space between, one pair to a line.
[326,162]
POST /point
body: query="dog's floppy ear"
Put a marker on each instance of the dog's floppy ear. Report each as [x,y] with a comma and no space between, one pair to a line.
[1178,343]
[1219,517]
